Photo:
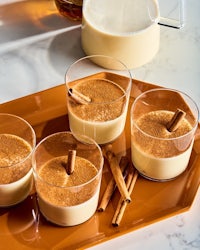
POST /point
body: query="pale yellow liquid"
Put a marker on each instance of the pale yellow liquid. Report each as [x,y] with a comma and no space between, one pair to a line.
[125,30]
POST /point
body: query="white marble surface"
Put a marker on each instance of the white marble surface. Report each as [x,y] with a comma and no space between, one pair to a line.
[34,54]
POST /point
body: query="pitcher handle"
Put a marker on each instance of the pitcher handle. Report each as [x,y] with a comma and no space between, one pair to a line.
[173,23]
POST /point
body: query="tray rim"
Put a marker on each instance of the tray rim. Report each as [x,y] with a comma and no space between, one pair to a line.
[62,110]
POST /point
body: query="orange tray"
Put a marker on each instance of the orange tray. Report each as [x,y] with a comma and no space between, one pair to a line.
[151,201]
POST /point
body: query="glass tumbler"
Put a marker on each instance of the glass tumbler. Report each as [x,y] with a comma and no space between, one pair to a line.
[17,141]
[158,152]
[98,90]
[67,198]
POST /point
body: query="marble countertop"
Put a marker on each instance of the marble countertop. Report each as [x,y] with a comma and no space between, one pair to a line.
[36,47]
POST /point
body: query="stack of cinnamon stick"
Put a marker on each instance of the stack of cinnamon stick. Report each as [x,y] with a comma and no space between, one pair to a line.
[125,186]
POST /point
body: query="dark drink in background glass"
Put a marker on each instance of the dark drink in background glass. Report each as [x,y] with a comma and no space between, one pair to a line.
[70,8]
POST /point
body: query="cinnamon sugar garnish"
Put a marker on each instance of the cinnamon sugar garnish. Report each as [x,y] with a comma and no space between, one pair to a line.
[62,185]
[105,96]
[13,152]
[154,124]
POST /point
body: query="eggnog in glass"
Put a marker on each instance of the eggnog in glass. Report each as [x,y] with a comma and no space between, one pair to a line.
[17,141]
[67,198]
[157,152]
[98,97]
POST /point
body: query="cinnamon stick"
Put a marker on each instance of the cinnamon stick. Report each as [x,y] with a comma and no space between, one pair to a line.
[174,123]
[71,161]
[116,171]
[78,97]
[121,207]
[124,162]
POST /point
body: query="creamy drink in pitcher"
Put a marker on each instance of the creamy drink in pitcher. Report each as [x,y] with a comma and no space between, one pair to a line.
[126,30]
[103,116]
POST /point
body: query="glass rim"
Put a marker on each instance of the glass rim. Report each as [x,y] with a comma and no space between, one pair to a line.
[32,146]
[35,172]
[125,69]
[194,127]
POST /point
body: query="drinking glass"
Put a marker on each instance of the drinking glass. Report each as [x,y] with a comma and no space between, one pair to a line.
[17,141]
[158,152]
[98,90]
[67,198]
